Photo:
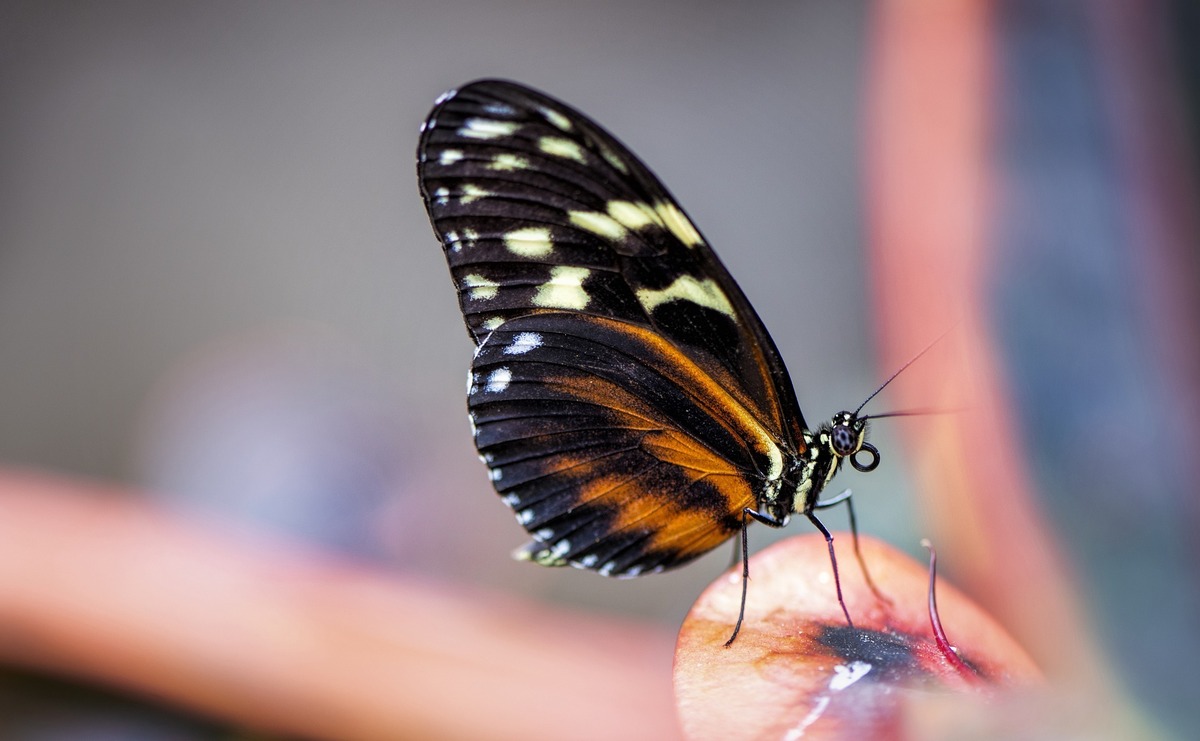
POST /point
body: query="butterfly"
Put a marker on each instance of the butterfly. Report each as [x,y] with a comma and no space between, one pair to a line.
[628,402]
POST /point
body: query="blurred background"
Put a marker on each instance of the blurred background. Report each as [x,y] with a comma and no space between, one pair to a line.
[218,283]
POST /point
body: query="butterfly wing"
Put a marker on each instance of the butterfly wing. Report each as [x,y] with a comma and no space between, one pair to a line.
[626,396]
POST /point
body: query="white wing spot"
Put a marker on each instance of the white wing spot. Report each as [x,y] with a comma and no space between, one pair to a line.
[589,560]
[598,223]
[445,96]
[485,128]
[687,288]
[508,161]
[543,535]
[607,569]
[499,109]
[495,474]
[498,380]
[556,119]
[546,557]
[525,516]
[523,343]
[678,223]
[560,147]
[472,382]
[449,156]
[633,571]
[480,288]
[560,549]
[441,196]
[512,500]
[531,241]
[564,290]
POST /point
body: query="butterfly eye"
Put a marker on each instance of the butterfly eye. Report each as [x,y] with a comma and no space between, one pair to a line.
[844,440]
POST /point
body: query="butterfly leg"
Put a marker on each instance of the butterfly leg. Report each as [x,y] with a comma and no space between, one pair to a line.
[745,580]
[837,581]
[862,564]
[748,513]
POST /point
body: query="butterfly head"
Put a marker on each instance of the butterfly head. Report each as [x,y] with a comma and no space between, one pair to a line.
[847,436]
[844,436]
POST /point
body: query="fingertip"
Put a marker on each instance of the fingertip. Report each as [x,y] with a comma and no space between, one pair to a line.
[796,663]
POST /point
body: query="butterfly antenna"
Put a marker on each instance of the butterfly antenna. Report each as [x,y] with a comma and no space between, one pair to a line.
[893,378]
[914,412]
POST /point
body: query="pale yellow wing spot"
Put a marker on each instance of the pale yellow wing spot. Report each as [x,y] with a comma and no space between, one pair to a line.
[559,147]
[564,290]
[775,462]
[449,156]
[633,215]
[484,128]
[532,241]
[472,193]
[558,120]
[614,160]
[481,289]
[507,161]
[687,288]
[598,223]
[678,223]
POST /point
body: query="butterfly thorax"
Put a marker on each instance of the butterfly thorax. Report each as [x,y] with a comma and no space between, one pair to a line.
[809,472]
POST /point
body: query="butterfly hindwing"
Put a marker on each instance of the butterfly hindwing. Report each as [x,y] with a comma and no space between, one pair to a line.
[626,396]
[582,421]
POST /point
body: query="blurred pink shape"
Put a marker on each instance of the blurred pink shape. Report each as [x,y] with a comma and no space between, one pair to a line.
[96,586]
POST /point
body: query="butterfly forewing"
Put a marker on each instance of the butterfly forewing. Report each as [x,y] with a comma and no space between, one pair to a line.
[625,395]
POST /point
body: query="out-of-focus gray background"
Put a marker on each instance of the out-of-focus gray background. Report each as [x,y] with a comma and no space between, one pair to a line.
[217,279]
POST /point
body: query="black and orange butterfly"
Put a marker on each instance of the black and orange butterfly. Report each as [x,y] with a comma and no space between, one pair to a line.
[627,400]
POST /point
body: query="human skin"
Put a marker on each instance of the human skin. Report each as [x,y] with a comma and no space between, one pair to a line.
[797,668]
